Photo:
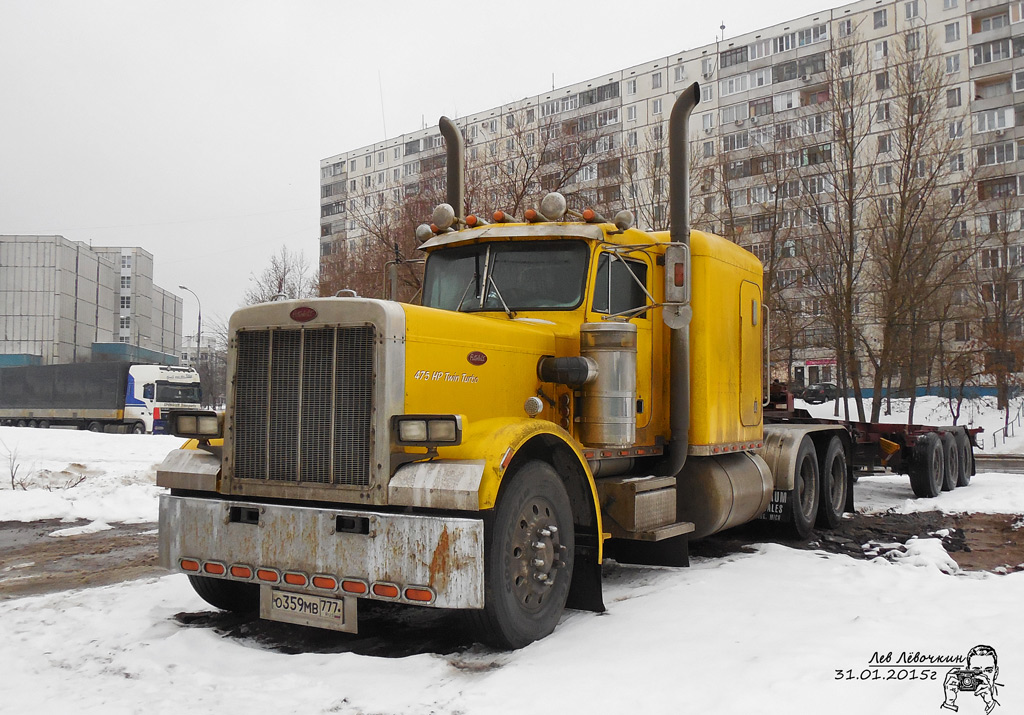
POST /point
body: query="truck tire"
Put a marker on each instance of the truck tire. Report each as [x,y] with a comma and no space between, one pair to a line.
[806,491]
[22,423]
[95,427]
[963,445]
[926,471]
[43,424]
[227,595]
[139,428]
[33,424]
[951,469]
[834,485]
[529,559]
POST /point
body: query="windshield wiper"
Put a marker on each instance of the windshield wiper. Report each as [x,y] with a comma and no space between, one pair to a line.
[508,311]
[475,279]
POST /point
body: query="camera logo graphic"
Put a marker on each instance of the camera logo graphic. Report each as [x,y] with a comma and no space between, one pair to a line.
[978,678]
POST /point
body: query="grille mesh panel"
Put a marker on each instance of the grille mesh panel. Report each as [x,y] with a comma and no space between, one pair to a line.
[304,404]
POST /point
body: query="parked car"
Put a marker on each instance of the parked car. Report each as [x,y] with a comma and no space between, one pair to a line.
[819,392]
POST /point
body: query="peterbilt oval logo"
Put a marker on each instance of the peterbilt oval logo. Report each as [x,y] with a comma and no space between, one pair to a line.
[303,314]
[476,358]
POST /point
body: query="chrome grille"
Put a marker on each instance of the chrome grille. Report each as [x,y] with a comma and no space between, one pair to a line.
[303,405]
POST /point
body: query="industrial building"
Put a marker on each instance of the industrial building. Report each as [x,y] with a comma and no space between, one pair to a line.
[64,301]
[763,93]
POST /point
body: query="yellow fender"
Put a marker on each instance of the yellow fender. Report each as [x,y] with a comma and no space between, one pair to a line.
[497,441]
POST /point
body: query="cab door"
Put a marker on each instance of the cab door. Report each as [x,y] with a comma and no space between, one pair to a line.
[750,354]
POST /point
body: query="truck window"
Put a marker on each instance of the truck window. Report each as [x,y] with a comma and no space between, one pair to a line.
[177,392]
[529,275]
[147,391]
[626,293]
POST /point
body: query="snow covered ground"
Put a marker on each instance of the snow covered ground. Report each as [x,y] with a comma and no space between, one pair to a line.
[779,630]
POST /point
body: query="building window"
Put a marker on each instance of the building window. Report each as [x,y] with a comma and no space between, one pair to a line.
[630,86]
[631,113]
[126,261]
[680,73]
[884,143]
[126,281]
[911,8]
[126,301]
[380,157]
[734,56]
[882,112]
[956,129]
[368,161]
[126,322]
[882,81]
[881,19]
[885,174]
[708,120]
[952,64]
[656,80]
[913,41]
[656,106]
[953,32]
[956,162]
[949,4]
[707,93]
[709,149]
[953,97]
[845,27]
[881,49]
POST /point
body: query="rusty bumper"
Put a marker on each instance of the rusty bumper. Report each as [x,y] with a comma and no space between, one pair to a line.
[279,545]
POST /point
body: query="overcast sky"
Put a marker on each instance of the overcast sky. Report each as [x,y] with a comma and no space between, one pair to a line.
[194,129]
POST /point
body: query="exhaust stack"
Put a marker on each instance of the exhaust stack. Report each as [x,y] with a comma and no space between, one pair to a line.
[455,152]
[679,215]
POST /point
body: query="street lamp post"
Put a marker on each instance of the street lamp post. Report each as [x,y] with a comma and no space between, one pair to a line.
[199,323]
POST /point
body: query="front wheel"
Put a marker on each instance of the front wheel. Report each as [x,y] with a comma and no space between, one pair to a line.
[138,428]
[227,595]
[529,561]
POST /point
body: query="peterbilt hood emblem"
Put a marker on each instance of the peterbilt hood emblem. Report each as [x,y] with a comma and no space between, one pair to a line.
[476,358]
[303,314]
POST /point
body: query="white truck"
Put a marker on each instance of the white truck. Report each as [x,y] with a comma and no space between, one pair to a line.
[98,396]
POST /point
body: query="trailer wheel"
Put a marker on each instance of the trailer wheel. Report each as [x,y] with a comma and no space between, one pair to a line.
[227,595]
[832,471]
[95,427]
[963,445]
[33,424]
[951,469]
[529,560]
[805,494]
[926,472]
[22,423]
[43,424]
[139,428]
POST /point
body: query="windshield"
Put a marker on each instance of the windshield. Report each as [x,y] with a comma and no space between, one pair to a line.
[178,392]
[532,275]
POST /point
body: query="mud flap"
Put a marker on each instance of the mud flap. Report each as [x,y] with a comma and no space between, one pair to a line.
[585,589]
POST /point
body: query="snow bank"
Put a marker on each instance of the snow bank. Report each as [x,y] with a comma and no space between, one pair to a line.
[70,475]
[988,493]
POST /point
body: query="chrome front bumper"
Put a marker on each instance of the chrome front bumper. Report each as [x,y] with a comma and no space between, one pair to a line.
[289,546]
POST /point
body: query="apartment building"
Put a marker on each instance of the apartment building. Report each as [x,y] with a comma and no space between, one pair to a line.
[61,299]
[767,124]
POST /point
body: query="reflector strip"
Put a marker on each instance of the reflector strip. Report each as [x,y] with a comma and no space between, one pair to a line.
[188,565]
[353,587]
[416,593]
[215,568]
[385,590]
[294,578]
[267,575]
[239,571]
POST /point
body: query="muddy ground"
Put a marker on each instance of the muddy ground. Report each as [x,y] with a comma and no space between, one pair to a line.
[32,561]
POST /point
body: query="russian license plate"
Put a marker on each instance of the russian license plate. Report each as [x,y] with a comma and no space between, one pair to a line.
[306,609]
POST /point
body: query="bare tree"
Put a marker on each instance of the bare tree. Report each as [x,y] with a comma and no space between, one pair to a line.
[288,276]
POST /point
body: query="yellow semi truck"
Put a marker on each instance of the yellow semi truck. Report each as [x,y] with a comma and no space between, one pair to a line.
[569,385]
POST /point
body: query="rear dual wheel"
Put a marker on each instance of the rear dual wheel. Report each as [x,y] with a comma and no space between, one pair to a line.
[927,471]
[952,467]
[227,595]
[963,444]
[805,494]
[834,485]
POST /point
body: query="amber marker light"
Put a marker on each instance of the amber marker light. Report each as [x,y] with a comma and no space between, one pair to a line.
[293,578]
[189,565]
[239,571]
[357,587]
[328,583]
[267,575]
[423,595]
[385,590]
[214,568]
